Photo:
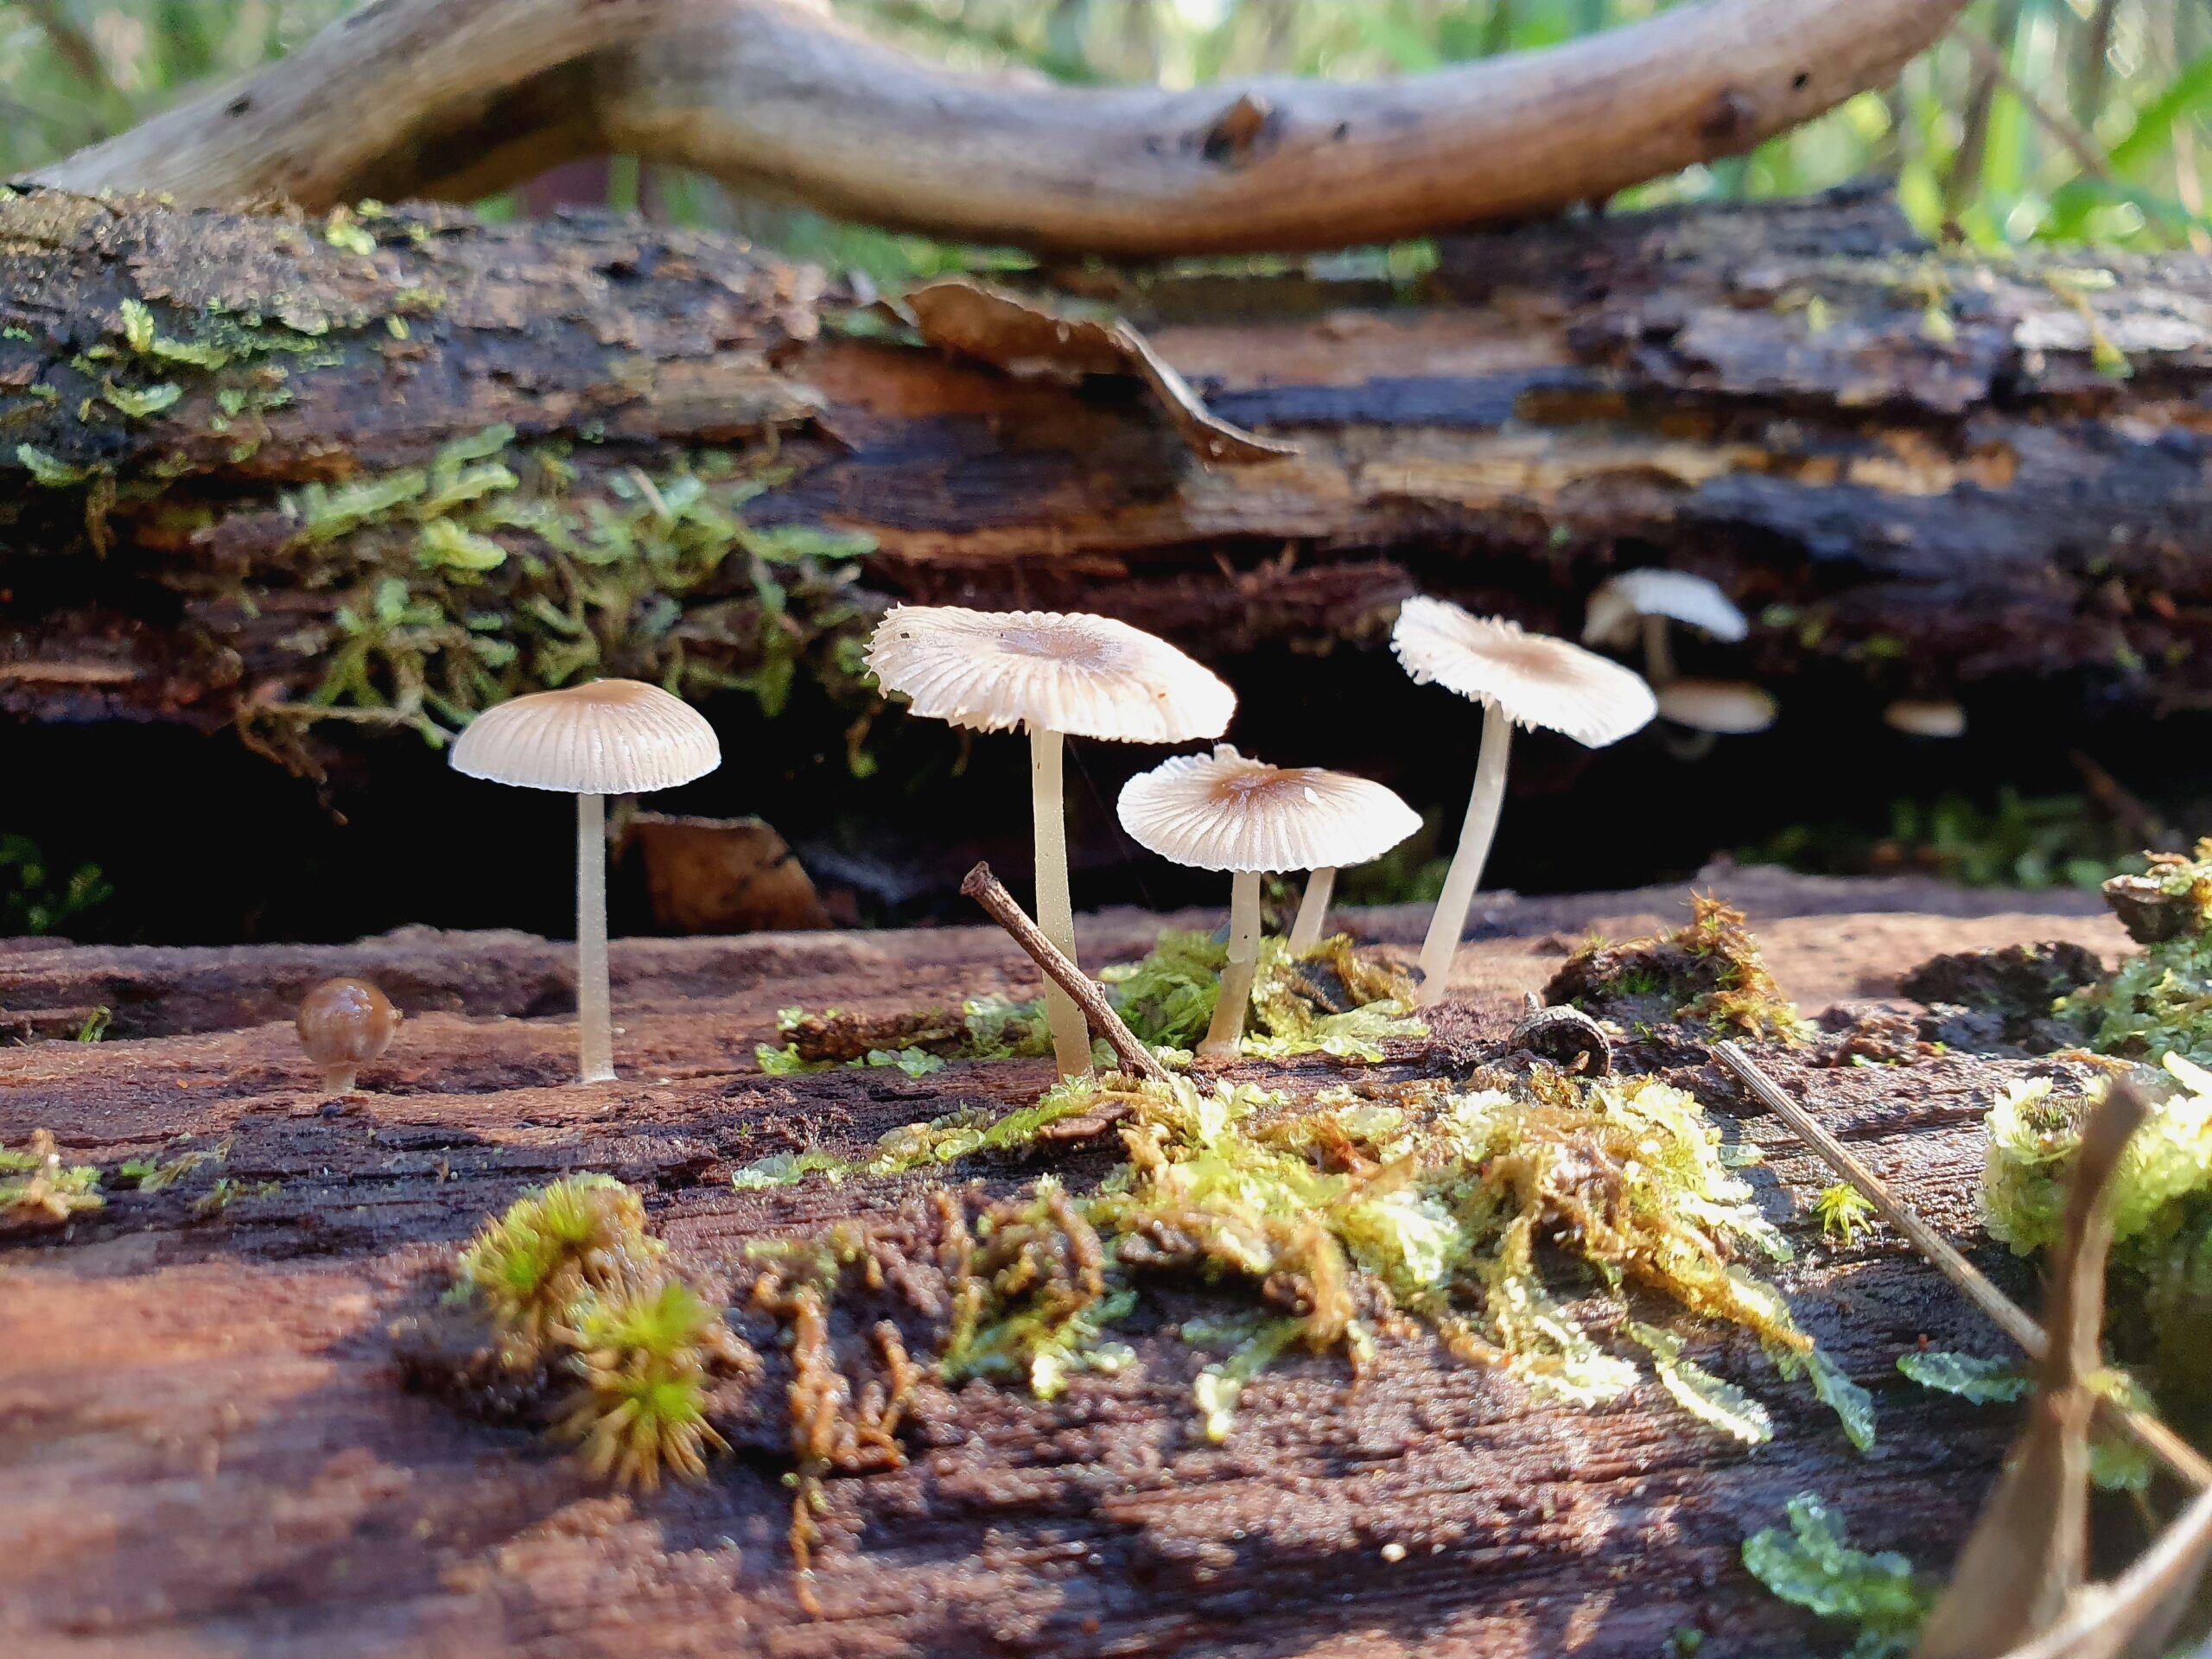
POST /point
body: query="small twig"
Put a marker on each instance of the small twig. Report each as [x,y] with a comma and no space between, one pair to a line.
[1991,62]
[2152,1435]
[990,892]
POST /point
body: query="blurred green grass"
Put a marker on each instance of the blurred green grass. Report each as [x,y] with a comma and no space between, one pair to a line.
[2037,120]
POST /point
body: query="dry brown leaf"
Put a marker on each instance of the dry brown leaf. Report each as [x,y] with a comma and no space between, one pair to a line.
[1023,338]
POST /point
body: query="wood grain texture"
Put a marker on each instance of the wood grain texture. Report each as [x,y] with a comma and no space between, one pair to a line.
[208,1447]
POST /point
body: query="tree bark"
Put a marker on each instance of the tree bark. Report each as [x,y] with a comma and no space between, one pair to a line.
[250,458]
[209,1440]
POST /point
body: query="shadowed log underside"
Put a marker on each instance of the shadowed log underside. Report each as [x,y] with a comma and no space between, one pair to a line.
[209,1445]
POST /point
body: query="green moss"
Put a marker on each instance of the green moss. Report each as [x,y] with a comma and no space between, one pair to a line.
[1814,1566]
[1707,974]
[1843,1210]
[2161,1199]
[38,1190]
[642,1360]
[545,1265]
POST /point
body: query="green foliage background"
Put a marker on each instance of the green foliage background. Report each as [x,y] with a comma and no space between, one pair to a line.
[2051,119]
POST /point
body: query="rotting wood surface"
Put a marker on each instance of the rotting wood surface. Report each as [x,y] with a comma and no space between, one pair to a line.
[1919,473]
[208,1447]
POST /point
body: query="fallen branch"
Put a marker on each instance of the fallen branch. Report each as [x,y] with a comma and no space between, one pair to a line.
[2183,1459]
[990,892]
[459,98]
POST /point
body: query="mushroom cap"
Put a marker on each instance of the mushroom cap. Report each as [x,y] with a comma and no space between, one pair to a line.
[1223,811]
[1729,707]
[604,737]
[345,1021]
[1087,675]
[1531,679]
[1926,717]
[1619,602]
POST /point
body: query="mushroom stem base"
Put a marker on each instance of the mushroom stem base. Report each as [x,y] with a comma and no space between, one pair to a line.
[1227,1029]
[338,1079]
[594,1016]
[1312,911]
[1465,874]
[1055,914]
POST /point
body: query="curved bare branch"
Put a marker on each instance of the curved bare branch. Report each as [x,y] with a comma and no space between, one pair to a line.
[441,95]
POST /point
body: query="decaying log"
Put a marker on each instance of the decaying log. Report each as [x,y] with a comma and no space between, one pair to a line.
[208,1443]
[249,460]
[464,98]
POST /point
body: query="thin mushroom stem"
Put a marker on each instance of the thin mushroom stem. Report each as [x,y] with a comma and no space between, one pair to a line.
[1055,914]
[1465,874]
[1312,911]
[338,1079]
[595,1017]
[1658,652]
[1227,1029]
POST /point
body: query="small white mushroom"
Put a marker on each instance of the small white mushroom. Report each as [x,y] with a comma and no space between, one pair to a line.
[1926,717]
[1646,601]
[1054,674]
[606,737]
[1224,811]
[1728,708]
[1519,678]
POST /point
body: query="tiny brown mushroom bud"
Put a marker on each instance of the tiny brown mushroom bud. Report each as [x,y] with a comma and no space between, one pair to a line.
[343,1025]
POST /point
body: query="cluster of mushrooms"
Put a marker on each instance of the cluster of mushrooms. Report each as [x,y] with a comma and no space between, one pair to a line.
[1058,676]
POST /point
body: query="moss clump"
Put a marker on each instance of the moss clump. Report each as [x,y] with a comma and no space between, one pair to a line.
[2171,900]
[38,1190]
[643,1358]
[572,1284]
[1814,1567]
[2160,1002]
[1331,999]
[541,1268]
[1346,1219]
[1708,974]
[2161,1197]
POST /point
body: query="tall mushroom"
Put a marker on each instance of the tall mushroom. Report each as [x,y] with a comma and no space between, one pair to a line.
[1646,601]
[1058,676]
[606,737]
[1521,679]
[1224,811]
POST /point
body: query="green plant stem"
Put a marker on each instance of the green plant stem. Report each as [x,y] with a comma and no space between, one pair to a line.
[1055,914]
[1465,874]
[1227,1029]
[594,1020]
[1312,910]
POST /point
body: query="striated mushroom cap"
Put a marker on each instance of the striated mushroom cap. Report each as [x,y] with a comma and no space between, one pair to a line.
[1619,603]
[1085,676]
[1730,707]
[606,737]
[1223,811]
[1531,679]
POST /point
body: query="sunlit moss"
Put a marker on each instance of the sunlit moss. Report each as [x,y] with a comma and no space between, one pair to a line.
[1708,973]
[1814,1567]
[1331,999]
[642,1355]
[38,1190]
[2161,1199]
[543,1266]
